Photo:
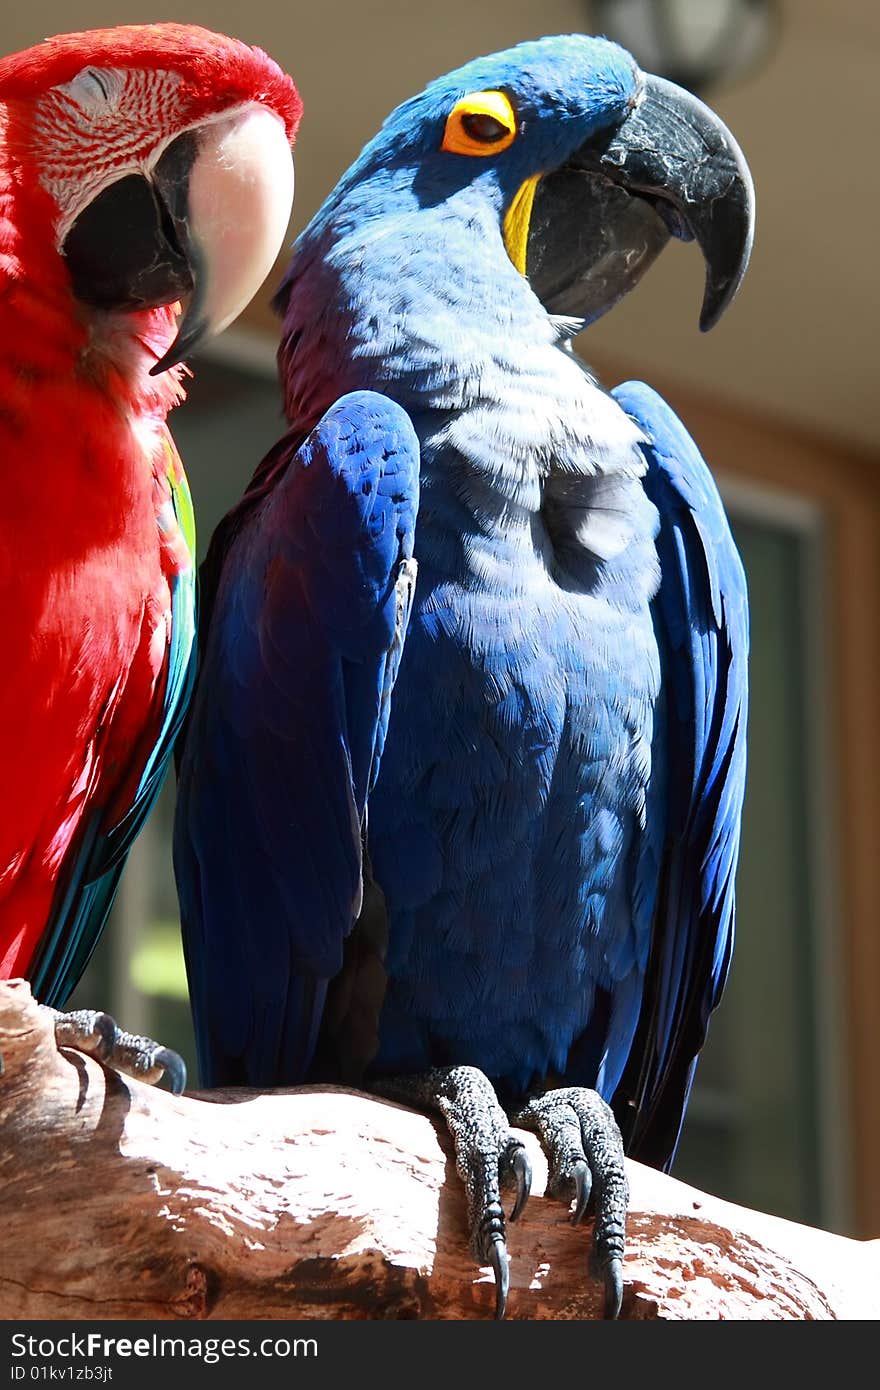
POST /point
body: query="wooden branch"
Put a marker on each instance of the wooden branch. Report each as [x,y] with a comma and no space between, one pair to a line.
[120,1201]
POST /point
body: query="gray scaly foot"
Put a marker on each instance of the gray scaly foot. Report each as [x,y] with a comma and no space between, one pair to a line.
[487,1156]
[99,1036]
[584,1151]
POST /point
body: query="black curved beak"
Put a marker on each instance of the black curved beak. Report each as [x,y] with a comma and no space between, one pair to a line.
[131,247]
[672,168]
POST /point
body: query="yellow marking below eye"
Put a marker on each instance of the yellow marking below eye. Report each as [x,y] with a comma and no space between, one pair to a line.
[515,228]
[496,105]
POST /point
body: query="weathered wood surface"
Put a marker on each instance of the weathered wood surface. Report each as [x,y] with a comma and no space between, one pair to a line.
[121,1201]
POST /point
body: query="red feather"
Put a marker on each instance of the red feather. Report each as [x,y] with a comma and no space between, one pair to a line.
[85,568]
[219,71]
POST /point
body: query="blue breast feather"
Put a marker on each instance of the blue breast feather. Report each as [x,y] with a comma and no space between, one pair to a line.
[556,838]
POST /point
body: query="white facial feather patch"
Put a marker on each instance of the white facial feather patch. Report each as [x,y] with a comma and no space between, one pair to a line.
[103,124]
[94,92]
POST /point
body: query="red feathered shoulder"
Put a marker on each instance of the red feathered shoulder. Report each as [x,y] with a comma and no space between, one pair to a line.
[218,71]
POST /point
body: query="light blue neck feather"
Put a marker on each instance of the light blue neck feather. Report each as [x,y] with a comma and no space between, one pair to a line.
[424,304]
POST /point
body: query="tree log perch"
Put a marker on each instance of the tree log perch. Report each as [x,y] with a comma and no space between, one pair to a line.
[121,1201]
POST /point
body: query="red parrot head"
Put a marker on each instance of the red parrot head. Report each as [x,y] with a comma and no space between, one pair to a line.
[165,153]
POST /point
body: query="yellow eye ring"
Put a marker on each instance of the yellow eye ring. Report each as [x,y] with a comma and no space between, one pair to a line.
[482,123]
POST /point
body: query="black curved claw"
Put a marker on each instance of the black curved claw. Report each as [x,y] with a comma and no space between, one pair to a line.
[522,1169]
[613,1288]
[175,1068]
[107,1030]
[499,1260]
[583,1187]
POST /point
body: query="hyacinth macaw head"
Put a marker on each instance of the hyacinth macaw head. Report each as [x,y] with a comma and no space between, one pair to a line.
[588,165]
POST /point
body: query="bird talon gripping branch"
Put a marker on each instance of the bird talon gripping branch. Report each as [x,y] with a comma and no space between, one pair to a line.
[99,1036]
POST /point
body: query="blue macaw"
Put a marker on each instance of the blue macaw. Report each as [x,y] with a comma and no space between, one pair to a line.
[469,836]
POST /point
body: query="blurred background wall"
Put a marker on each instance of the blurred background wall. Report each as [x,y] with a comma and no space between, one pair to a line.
[781,399]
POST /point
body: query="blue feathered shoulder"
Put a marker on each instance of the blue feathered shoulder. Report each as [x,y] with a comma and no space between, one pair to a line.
[310,600]
[701,620]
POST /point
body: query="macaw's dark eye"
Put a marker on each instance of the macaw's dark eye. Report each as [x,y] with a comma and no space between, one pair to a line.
[484,128]
[482,123]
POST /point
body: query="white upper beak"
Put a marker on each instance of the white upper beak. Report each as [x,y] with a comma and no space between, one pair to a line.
[239,199]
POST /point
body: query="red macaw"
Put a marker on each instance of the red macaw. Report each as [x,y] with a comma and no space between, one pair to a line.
[141,168]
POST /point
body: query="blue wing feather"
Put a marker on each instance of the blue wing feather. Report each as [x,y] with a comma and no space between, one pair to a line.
[695,801]
[308,617]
